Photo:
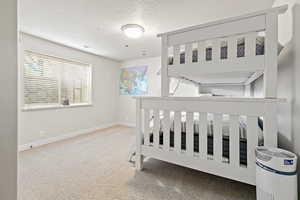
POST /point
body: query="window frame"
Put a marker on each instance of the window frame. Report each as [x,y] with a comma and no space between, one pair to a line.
[28,107]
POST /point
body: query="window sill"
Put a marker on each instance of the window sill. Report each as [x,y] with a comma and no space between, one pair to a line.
[53,107]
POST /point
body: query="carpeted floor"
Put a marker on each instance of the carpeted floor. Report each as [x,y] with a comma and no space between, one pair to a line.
[94,167]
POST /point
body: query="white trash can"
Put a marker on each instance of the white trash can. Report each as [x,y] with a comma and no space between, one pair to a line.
[276,174]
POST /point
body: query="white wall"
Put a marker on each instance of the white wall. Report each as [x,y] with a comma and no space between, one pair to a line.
[8,100]
[42,124]
[126,102]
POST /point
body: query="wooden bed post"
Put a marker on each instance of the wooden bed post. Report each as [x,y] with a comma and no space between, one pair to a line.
[271,53]
[270,125]
[270,79]
[247,90]
[138,155]
[165,88]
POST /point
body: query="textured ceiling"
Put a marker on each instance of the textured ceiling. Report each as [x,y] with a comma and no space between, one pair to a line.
[96,23]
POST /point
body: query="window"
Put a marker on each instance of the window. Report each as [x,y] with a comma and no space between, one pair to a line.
[55,82]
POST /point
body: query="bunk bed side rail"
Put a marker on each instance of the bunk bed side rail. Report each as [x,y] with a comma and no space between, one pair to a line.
[277,10]
[162,112]
[253,24]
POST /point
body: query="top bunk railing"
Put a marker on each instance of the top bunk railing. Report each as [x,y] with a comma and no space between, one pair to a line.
[276,10]
[235,53]
[245,45]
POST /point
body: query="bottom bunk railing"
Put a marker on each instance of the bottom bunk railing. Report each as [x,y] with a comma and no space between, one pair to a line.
[213,135]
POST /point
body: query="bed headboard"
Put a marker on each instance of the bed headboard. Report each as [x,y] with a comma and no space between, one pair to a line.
[229,46]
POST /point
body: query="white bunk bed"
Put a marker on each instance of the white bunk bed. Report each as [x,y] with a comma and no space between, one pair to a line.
[216,135]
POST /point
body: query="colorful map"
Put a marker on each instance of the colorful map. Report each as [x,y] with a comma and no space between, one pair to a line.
[134,80]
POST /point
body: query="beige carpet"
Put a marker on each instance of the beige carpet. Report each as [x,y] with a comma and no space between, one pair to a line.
[94,167]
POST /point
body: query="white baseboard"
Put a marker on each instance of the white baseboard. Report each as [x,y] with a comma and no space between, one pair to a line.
[38,143]
[127,124]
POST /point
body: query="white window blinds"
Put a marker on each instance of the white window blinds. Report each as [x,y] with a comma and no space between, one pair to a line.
[54,81]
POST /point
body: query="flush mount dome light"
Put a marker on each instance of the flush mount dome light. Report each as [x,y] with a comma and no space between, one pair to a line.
[133,30]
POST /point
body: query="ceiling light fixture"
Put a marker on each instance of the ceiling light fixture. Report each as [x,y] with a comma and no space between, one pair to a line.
[133,30]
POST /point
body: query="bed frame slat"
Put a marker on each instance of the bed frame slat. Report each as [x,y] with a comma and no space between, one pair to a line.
[190,133]
[234,141]
[138,154]
[201,51]
[252,140]
[156,123]
[188,52]
[203,135]
[250,44]
[216,50]
[166,130]
[177,131]
[218,137]
[176,55]
[146,127]
[232,47]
